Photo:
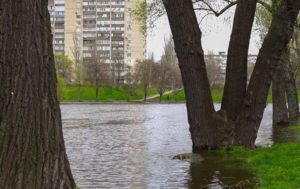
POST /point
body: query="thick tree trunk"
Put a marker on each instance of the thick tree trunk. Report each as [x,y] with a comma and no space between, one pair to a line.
[205,124]
[32,150]
[279,35]
[280,110]
[291,93]
[283,86]
[236,70]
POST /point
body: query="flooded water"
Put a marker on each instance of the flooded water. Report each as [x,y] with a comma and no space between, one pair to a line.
[132,145]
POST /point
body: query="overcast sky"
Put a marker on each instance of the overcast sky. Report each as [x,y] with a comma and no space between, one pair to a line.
[216,35]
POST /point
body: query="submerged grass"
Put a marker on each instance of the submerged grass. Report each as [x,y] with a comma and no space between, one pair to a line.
[277,167]
[294,127]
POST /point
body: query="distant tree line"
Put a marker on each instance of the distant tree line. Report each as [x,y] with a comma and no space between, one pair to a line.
[163,75]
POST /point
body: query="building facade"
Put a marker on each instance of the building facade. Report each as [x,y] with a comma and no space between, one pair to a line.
[57,15]
[101,30]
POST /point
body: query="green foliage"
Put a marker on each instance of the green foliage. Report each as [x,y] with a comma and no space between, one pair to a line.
[263,21]
[140,15]
[61,87]
[64,67]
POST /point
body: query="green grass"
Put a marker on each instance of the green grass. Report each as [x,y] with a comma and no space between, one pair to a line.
[180,96]
[294,127]
[105,94]
[277,167]
[216,95]
[69,93]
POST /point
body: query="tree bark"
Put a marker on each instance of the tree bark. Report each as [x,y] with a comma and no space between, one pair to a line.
[279,34]
[237,59]
[280,110]
[160,97]
[205,124]
[32,149]
[283,86]
[145,92]
[208,128]
[291,93]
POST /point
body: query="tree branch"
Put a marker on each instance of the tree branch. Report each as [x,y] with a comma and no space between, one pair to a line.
[211,9]
[266,5]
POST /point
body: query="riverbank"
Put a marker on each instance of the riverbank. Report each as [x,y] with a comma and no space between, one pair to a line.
[69,94]
[125,95]
[148,136]
[275,167]
[106,94]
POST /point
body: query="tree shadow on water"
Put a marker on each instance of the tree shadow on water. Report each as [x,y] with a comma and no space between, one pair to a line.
[220,171]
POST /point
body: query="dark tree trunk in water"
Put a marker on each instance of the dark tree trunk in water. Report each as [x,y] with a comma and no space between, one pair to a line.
[291,93]
[283,86]
[32,150]
[280,110]
[205,123]
[279,35]
[236,70]
[208,128]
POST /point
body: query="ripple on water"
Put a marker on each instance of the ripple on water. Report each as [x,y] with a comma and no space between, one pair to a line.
[131,146]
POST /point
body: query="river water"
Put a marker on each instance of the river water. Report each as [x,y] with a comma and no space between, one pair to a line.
[132,145]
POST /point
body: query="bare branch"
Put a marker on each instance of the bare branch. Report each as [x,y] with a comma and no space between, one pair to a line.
[211,9]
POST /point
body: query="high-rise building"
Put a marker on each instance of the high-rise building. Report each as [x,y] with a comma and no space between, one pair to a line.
[57,16]
[101,29]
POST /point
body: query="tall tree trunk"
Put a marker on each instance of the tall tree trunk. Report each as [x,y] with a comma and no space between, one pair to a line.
[32,150]
[97,82]
[203,120]
[291,93]
[283,86]
[160,97]
[145,92]
[279,35]
[78,78]
[236,70]
[280,110]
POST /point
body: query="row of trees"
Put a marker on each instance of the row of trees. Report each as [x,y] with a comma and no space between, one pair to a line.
[284,81]
[163,75]
[243,105]
[32,150]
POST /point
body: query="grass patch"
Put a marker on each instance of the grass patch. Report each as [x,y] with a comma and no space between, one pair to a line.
[105,94]
[180,96]
[276,167]
[216,95]
[69,93]
[294,127]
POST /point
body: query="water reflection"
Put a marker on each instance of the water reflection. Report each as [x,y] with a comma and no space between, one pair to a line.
[131,146]
[220,171]
[283,134]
